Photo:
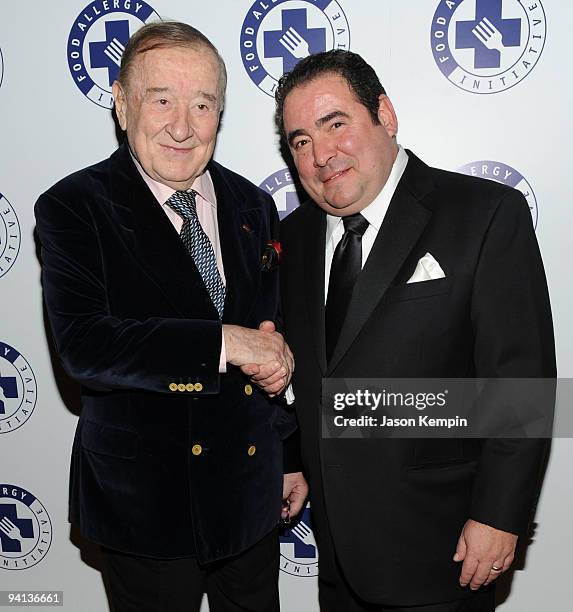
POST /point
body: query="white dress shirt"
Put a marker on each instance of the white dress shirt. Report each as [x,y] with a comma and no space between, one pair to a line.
[374,213]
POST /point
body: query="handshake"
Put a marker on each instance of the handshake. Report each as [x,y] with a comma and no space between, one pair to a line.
[261,354]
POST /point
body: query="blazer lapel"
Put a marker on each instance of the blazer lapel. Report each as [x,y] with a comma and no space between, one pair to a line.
[155,241]
[314,250]
[240,238]
[403,224]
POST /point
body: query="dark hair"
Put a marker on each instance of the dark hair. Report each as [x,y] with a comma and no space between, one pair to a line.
[360,76]
[158,34]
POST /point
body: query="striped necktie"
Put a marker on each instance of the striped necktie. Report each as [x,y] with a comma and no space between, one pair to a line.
[199,246]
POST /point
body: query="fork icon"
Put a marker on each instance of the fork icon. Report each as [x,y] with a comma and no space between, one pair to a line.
[303,532]
[8,528]
[488,34]
[294,43]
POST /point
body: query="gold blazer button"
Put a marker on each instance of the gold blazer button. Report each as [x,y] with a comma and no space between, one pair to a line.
[198,387]
[181,387]
[172,386]
[252,450]
[197,449]
[248,390]
[190,387]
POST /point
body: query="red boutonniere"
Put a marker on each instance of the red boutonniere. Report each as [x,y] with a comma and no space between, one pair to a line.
[271,255]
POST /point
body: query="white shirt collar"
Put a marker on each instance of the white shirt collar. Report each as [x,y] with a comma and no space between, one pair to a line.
[375,212]
[203,185]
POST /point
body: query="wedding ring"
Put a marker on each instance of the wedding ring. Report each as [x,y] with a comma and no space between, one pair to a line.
[495,569]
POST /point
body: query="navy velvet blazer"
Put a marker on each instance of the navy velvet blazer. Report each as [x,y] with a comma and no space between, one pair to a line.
[170,458]
[396,507]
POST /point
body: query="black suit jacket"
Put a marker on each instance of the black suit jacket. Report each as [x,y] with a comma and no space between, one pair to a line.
[161,463]
[396,507]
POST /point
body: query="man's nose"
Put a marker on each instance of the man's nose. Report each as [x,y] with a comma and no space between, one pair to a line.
[180,126]
[323,150]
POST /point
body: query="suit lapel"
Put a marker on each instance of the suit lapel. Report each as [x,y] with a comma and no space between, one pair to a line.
[240,230]
[314,249]
[403,224]
[155,241]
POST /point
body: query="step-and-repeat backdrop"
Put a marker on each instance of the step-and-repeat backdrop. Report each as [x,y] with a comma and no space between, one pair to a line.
[491,102]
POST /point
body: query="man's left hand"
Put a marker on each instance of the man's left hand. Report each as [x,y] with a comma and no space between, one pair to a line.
[295,491]
[486,552]
[271,377]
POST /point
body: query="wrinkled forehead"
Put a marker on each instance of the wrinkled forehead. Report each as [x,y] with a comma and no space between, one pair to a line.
[190,61]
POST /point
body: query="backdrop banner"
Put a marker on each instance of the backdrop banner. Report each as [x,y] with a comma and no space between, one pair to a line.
[492,102]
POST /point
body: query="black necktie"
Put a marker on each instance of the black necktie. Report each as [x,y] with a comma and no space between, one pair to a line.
[346,266]
[199,246]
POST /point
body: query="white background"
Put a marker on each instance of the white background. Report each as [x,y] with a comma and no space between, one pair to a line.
[49,129]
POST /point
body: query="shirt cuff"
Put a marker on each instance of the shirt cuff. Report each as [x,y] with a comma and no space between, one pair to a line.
[289,395]
[223,357]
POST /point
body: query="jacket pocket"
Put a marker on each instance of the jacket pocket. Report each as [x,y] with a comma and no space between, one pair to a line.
[109,441]
[414,291]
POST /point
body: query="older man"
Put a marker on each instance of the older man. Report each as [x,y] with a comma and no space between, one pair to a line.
[426,523]
[155,282]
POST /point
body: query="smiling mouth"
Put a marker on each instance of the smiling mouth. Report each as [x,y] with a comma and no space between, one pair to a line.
[176,150]
[332,178]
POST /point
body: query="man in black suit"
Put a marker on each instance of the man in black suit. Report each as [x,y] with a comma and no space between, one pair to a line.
[157,275]
[428,523]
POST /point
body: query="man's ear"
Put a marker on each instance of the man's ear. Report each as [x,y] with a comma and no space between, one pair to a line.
[120,99]
[387,116]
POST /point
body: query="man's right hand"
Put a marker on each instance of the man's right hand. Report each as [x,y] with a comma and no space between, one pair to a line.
[260,350]
[271,377]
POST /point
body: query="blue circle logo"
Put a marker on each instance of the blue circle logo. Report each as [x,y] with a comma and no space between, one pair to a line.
[487,46]
[281,186]
[97,41]
[502,173]
[25,529]
[9,236]
[276,35]
[299,554]
[18,390]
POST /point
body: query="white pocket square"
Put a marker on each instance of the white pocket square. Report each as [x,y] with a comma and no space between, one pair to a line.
[427,269]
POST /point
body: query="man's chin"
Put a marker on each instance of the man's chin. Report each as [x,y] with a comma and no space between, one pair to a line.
[178,179]
[341,208]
